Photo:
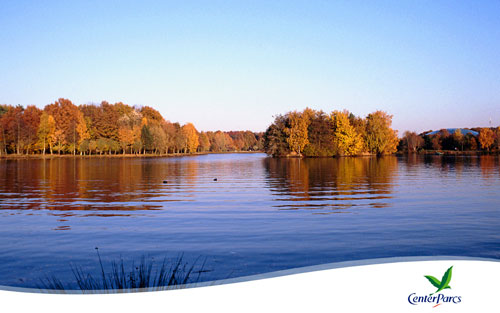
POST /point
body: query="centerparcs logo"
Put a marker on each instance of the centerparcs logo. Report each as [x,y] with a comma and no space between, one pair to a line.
[436,298]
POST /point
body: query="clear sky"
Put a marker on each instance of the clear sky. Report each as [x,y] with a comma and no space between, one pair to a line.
[234,64]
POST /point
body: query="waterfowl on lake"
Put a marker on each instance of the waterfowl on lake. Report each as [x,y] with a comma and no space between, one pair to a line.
[215,179]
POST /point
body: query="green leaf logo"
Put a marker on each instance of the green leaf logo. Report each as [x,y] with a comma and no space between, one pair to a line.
[443,284]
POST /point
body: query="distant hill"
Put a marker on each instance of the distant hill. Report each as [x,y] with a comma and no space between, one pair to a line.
[452,130]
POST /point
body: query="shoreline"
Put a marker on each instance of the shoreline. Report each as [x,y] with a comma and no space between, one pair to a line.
[173,155]
[450,153]
[120,155]
[399,153]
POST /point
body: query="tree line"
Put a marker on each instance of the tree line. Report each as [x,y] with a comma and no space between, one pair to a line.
[315,133]
[488,139]
[88,129]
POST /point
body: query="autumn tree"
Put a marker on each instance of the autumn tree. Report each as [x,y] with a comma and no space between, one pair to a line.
[347,140]
[191,135]
[153,116]
[411,141]
[159,139]
[486,138]
[92,146]
[129,127]
[458,139]
[179,138]
[84,147]
[90,114]
[275,142]
[297,131]
[380,137]
[320,136]
[243,140]
[204,142]
[105,122]
[359,124]
[11,124]
[30,121]
[170,130]
[238,140]
[251,142]
[68,119]
[102,145]
[436,142]
[59,138]
[46,131]
[221,142]
[114,146]
[3,110]
[146,136]
[126,137]
[470,142]
[81,130]
[497,137]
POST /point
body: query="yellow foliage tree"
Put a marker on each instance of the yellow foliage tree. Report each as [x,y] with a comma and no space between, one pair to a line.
[297,137]
[486,138]
[347,139]
[46,131]
[81,129]
[380,137]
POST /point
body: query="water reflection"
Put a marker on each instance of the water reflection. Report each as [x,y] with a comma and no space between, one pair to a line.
[459,165]
[261,215]
[103,184]
[331,185]
[490,166]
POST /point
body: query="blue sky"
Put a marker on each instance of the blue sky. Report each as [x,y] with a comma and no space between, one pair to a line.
[234,64]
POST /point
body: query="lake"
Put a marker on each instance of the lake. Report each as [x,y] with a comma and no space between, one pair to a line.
[261,215]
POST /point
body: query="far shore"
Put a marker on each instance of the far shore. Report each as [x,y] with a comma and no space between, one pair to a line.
[119,155]
[399,153]
[451,152]
[290,156]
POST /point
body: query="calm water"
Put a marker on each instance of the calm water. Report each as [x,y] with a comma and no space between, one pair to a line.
[261,215]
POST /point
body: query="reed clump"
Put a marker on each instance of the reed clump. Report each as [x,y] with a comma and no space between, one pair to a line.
[146,275]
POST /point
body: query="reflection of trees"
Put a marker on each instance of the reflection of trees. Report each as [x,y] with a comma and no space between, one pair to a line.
[68,185]
[447,164]
[460,165]
[489,165]
[331,182]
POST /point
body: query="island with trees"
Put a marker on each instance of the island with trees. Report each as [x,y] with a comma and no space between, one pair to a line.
[314,133]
